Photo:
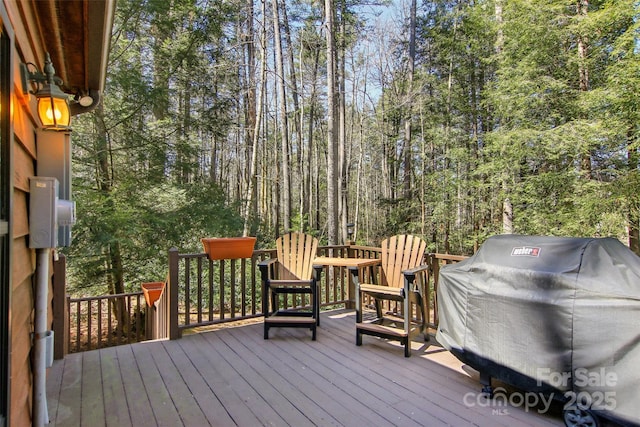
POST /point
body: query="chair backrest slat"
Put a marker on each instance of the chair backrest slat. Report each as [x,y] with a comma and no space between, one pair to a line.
[399,253]
[296,252]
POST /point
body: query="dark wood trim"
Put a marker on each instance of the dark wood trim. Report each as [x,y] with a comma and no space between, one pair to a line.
[6,212]
[174,331]
[60,331]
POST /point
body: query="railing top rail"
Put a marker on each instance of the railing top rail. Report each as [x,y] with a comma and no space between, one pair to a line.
[101,297]
[333,247]
[194,255]
[448,256]
[204,254]
[365,248]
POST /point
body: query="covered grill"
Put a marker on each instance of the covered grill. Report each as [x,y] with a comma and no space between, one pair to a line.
[550,315]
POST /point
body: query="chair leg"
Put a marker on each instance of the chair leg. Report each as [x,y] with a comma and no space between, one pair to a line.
[423,318]
[316,303]
[407,311]
[313,333]
[378,305]
[266,331]
[274,302]
[358,337]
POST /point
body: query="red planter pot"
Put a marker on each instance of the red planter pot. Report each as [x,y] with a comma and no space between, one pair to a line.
[228,247]
[152,291]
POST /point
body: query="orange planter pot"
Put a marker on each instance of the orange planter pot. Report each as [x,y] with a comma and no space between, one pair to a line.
[152,291]
[228,247]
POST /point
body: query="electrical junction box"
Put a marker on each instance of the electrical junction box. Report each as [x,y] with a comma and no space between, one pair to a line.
[54,160]
[47,212]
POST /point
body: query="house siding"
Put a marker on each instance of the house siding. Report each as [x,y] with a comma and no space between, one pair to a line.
[25,48]
[32,29]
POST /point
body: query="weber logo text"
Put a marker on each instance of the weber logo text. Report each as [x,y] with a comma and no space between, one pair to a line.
[525,251]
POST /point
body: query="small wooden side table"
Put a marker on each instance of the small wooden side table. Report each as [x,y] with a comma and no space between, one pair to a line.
[359,263]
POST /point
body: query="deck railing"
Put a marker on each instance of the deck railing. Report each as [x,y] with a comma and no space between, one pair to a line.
[204,292]
[105,321]
[88,323]
[200,292]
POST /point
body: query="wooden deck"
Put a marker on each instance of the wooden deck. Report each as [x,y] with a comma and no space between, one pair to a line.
[232,377]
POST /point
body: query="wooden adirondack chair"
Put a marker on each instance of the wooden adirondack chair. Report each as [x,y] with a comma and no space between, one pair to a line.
[401,260]
[292,272]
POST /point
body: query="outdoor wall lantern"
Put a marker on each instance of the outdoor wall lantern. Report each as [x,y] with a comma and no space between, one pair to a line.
[53,103]
[350,229]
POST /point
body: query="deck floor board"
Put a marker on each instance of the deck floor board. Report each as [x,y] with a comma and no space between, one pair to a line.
[269,367]
[113,389]
[160,398]
[70,392]
[229,397]
[294,370]
[135,393]
[233,377]
[212,409]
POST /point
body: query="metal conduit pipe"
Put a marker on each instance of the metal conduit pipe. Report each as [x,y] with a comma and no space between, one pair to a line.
[40,411]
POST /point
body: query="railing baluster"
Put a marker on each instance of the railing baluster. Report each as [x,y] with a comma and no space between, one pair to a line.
[222,291]
[253,285]
[199,290]
[138,317]
[187,292]
[109,324]
[89,305]
[78,335]
[232,286]
[127,328]
[99,323]
[243,287]
[211,292]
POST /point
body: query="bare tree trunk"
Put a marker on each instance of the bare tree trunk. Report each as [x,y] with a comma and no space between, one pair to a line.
[251,193]
[251,116]
[284,126]
[582,7]
[343,206]
[507,206]
[633,224]
[332,134]
[115,274]
[293,79]
[409,113]
[160,108]
[186,174]
[308,201]
[447,201]
[297,118]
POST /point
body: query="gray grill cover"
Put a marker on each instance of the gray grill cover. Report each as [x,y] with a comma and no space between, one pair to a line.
[528,310]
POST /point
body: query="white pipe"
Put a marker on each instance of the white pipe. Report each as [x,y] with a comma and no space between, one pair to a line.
[40,412]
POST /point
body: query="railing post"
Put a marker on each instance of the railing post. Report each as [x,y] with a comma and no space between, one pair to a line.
[149,321]
[435,268]
[67,324]
[351,287]
[60,326]
[174,331]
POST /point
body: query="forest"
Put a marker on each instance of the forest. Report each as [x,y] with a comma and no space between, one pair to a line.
[448,119]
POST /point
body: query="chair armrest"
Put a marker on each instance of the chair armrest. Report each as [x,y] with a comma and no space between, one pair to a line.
[317,272]
[266,267]
[410,276]
[267,262]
